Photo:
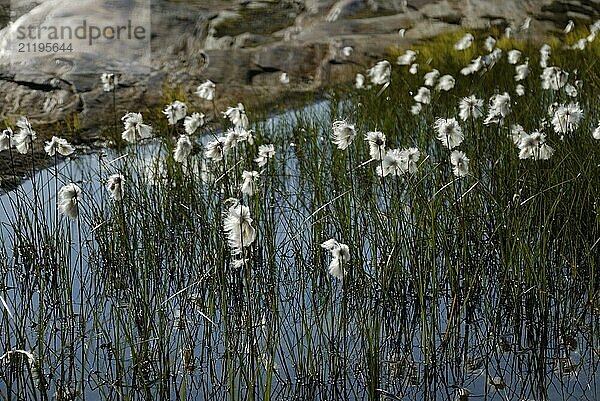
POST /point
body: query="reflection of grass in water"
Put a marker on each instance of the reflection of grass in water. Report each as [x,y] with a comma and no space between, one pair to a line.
[487,283]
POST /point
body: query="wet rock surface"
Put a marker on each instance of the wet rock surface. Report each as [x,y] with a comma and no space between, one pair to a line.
[244,46]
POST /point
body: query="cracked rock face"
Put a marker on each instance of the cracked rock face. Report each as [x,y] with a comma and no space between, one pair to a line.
[242,46]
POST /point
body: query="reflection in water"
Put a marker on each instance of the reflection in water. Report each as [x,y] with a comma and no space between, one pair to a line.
[163,314]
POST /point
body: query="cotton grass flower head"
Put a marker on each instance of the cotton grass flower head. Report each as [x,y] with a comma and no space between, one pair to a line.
[596,132]
[182,149]
[206,90]
[343,134]
[449,132]
[445,83]
[475,66]
[135,129]
[407,58]
[520,90]
[489,60]
[359,81]
[6,139]
[517,133]
[460,163]
[284,78]
[237,116]
[175,111]
[250,183]
[522,71]
[499,108]
[465,42]
[109,81]
[416,109]
[340,255]
[193,122]
[431,77]
[58,145]
[238,228]
[423,95]
[489,44]
[534,147]
[545,52]
[216,150]
[569,26]
[470,107]
[567,118]
[25,136]
[412,156]
[414,68]
[347,51]
[380,73]
[265,152]
[114,185]
[571,91]
[394,162]
[513,56]
[554,78]
[376,141]
[68,200]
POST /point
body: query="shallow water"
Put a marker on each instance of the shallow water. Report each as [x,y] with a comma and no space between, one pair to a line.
[179,322]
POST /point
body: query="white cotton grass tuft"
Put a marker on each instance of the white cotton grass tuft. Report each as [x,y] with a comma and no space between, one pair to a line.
[6,139]
[114,185]
[596,132]
[193,122]
[431,77]
[416,109]
[475,66]
[216,149]
[407,58]
[250,184]
[25,136]
[238,228]
[449,132]
[569,27]
[414,68]
[237,116]
[465,42]
[567,118]
[545,52]
[500,107]
[513,56]
[347,51]
[206,90]
[423,95]
[554,78]
[398,162]
[135,129]
[520,90]
[284,78]
[58,145]
[175,111]
[109,81]
[343,134]
[517,133]
[470,107]
[489,60]
[522,71]
[489,44]
[571,91]
[265,152]
[380,73]
[340,255]
[534,147]
[359,81]
[68,200]
[182,149]
[445,83]
[460,163]
[376,141]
